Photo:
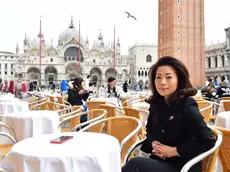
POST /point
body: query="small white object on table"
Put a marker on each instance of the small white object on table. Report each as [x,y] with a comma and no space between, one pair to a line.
[88,152]
[32,123]
[143,106]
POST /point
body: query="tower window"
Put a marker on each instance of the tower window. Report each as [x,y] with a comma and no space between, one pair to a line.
[178,48]
[178,33]
[178,17]
[178,1]
[51,60]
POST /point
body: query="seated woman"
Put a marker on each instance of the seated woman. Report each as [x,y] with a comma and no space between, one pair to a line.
[76,95]
[176,131]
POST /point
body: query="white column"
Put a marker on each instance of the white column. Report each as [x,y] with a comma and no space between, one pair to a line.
[226,63]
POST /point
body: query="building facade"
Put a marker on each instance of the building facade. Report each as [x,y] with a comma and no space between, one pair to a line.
[7,65]
[62,61]
[143,56]
[181,35]
[217,58]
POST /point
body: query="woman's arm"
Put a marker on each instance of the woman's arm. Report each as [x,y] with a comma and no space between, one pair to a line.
[201,135]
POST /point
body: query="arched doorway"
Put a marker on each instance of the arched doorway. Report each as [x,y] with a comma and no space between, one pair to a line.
[50,75]
[110,73]
[124,75]
[33,75]
[141,84]
[95,74]
[146,84]
[73,70]
[51,79]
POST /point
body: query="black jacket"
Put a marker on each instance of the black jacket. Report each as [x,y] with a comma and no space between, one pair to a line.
[181,126]
[76,99]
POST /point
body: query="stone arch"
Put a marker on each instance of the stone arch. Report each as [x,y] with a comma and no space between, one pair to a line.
[110,72]
[124,75]
[95,75]
[141,84]
[73,70]
[34,74]
[51,75]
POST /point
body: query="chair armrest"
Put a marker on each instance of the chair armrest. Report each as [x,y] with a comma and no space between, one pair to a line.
[67,108]
[132,148]
[9,136]
[131,134]
[92,124]
[200,157]
[88,122]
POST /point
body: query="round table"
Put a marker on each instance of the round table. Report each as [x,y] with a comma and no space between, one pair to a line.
[86,152]
[32,123]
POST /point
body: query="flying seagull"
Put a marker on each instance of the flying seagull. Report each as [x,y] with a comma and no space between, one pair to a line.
[129,15]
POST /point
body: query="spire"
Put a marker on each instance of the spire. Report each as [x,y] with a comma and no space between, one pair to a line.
[71,26]
[25,37]
[87,41]
[118,41]
[17,48]
[100,37]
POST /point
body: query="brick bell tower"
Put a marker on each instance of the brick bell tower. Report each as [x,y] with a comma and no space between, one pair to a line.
[181,35]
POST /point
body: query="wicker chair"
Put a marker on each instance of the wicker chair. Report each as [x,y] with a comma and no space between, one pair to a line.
[205,108]
[74,119]
[94,104]
[93,115]
[4,148]
[111,110]
[225,98]
[226,104]
[41,106]
[208,158]
[224,152]
[70,120]
[124,128]
[136,114]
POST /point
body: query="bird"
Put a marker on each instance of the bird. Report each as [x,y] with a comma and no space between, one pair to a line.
[129,15]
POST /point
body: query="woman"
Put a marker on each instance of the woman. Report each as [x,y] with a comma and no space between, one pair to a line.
[76,95]
[176,131]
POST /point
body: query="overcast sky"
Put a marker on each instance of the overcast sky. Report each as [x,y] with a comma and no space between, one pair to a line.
[18,17]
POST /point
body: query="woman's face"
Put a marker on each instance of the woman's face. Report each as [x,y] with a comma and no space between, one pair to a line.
[166,81]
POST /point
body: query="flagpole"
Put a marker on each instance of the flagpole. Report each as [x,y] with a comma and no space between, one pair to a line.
[40,49]
[114,46]
[79,42]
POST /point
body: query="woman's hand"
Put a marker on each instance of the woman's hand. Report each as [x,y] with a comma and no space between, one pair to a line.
[163,151]
[82,92]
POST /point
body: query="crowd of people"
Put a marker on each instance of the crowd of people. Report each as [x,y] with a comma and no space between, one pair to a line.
[216,88]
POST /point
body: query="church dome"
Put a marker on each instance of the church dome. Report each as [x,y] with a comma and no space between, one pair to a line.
[70,33]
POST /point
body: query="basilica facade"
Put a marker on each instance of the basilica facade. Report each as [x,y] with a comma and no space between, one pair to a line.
[62,61]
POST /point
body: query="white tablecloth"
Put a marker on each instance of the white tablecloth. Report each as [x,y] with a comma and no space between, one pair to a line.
[143,106]
[15,106]
[86,152]
[223,120]
[32,123]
